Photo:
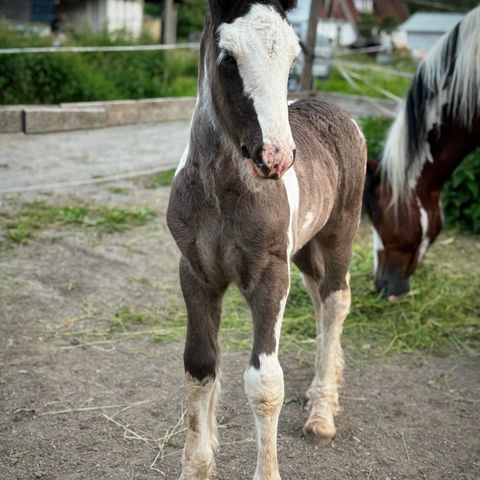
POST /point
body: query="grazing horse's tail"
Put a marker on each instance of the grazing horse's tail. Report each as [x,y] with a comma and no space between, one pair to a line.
[446,84]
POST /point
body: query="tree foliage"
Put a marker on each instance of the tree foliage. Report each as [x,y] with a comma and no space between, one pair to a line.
[191,15]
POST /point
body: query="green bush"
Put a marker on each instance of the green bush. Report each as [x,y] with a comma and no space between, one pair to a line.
[461,195]
[191,15]
[74,77]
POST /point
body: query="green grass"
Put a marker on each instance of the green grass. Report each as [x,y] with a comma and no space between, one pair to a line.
[336,83]
[161,179]
[118,190]
[17,228]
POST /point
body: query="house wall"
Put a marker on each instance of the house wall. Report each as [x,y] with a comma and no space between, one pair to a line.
[423,41]
[113,15]
[17,10]
[341,33]
[125,15]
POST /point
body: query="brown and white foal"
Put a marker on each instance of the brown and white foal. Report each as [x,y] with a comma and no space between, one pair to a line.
[240,210]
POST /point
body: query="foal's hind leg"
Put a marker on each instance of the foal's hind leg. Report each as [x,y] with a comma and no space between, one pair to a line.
[323,392]
[326,281]
[201,367]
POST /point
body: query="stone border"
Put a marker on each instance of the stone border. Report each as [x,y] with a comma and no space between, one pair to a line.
[90,115]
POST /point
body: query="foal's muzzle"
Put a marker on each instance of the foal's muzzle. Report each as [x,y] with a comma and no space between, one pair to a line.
[271,160]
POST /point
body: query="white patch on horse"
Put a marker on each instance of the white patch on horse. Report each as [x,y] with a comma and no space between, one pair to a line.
[265,391]
[183,160]
[359,130]
[264,46]
[308,220]
[292,188]
[279,320]
[377,247]
[422,249]
[201,443]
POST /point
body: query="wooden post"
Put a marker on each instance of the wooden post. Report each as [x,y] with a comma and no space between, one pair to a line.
[307,76]
[169,27]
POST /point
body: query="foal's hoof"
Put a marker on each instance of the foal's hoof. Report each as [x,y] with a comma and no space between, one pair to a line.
[319,432]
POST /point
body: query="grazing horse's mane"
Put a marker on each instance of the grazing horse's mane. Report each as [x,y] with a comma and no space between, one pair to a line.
[445,88]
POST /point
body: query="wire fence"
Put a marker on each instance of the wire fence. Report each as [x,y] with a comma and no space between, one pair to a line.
[349,70]
[109,48]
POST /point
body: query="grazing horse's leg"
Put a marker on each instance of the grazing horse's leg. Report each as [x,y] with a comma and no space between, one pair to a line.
[264,376]
[201,367]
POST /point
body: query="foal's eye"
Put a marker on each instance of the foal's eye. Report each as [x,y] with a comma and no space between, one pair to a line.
[228,59]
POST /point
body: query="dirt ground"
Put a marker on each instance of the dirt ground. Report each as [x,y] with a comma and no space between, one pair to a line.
[112,408]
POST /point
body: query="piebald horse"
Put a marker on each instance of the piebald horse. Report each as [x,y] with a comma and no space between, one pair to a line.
[435,129]
[240,209]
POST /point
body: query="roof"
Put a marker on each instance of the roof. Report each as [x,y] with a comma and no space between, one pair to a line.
[381,8]
[395,8]
[431,22]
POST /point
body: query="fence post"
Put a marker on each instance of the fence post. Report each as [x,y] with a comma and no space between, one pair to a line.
[307,76]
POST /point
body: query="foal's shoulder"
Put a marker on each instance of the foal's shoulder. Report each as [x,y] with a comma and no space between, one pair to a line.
[317,108]
[326,120]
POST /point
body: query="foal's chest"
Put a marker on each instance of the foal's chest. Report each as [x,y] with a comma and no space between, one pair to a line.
[220,231]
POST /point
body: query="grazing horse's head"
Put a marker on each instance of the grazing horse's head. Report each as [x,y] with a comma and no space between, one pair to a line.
[401,233]
[249,48]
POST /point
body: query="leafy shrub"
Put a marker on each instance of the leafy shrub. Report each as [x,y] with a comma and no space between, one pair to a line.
[461,194]
[74,77]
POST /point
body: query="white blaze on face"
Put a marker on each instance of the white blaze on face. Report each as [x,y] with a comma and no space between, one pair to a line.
[264,46]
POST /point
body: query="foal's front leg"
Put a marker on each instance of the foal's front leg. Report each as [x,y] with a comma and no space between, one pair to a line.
[201,368]
[264,376]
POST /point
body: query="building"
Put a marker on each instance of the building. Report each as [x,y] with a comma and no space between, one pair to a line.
[25,11]
[422,30]
[339,18]
[112,15]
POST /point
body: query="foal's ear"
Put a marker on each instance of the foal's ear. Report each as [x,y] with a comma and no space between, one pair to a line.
[288,4]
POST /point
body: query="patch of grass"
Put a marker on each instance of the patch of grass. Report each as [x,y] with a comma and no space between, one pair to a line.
[124,317]
[160,179]
[32,217]
[387,81]
[118,190]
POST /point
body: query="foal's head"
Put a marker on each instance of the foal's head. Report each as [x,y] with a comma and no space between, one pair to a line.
[401,233]
[249,49]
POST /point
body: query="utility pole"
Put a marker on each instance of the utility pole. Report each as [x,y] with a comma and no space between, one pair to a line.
[169,27]
[307,76]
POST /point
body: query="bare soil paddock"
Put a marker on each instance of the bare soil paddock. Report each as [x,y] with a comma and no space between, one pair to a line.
[87,395]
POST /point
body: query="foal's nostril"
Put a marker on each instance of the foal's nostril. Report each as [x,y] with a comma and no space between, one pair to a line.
[276,151]
[245,152]
[294,154]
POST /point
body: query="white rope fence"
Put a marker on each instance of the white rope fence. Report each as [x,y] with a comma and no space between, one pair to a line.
[85,182]
[110,48]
